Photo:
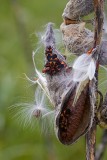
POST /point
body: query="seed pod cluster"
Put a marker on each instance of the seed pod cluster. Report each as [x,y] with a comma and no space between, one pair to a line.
[76,37]
[70,97]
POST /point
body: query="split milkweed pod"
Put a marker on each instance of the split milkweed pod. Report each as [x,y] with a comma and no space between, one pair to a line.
[75,116]
[74,120]
[54,61]
[56,70]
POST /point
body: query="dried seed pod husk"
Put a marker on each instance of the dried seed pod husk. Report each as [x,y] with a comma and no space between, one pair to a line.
[76,9]
[74,120]
[102,114]
[59,85]
[77,39]
[103,53]
[56,70]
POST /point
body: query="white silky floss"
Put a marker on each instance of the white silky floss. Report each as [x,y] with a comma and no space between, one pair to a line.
[84,68]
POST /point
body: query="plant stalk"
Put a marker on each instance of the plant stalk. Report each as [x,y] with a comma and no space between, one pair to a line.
[91,135]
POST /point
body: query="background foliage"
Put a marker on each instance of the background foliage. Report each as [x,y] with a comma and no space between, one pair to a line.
[19,21]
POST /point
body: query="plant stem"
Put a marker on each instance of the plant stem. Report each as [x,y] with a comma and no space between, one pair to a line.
[91,135]
[91,142]
[102,146]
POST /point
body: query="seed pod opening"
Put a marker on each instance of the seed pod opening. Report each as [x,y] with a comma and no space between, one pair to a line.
[56,70]
[74,120]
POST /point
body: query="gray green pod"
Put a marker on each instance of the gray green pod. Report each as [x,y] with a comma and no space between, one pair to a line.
[77,8]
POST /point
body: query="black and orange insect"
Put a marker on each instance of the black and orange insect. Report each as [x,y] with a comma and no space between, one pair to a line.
[53,64]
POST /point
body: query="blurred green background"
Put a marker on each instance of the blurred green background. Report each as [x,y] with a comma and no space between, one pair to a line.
[19,21]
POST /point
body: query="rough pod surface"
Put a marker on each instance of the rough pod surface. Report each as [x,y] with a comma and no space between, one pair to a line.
[76,9]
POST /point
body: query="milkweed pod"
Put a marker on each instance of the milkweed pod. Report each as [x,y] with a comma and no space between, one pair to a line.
[77,39]
[48,38]
[103,53]
[55,69]
[74,119]
[102,114]
[54,61]
[76,9]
